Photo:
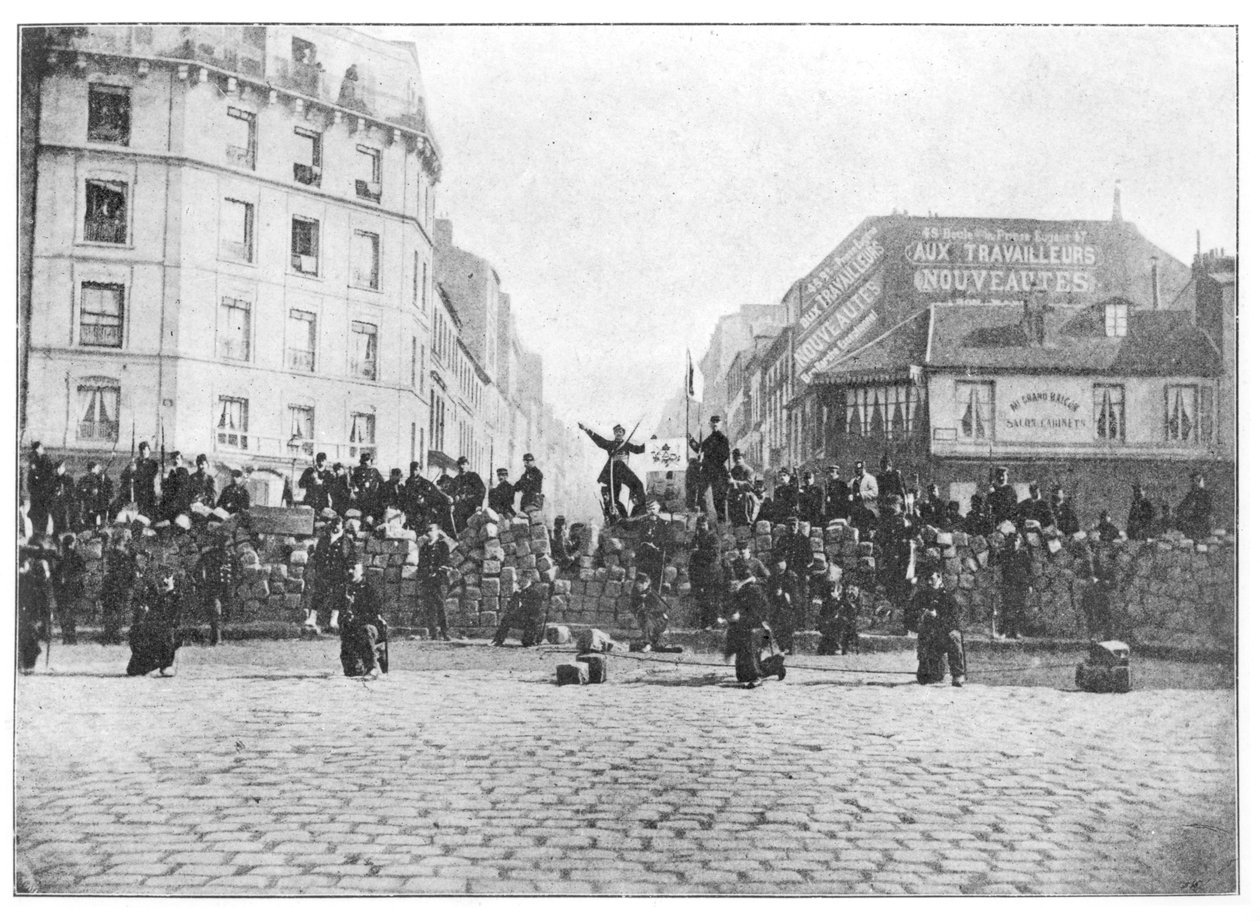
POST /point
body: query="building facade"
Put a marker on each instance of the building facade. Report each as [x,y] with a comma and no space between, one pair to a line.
[232,245]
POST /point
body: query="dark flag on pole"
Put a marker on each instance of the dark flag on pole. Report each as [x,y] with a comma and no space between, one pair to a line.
[691,377]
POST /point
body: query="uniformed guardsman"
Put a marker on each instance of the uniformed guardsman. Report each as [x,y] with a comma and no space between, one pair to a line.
[367,482]
[215,578]
[616,474]
[1061,511]
[837,494]
[316,484]
[469,493]
[334,555]
[235,496]
[714,452]
[1194,512]
[1002,501]
[527,611]
[154,635]
[706,575]
[143,490]
[363,631]
[40,480]
[392,493]
[650,610]
[890,482]
[175,494]
[1141,515]
[813,501]
[503,495]
[1034,508]
[95,492]
[433,573]
[940,635]
[201,485]
[62,504]
[530,485]
[746,637]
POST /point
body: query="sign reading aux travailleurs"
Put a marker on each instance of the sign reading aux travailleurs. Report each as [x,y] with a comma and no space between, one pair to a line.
[892,267]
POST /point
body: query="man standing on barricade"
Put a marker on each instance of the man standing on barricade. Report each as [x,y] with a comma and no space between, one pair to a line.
[714,452]
[469,493]
[332,559]
[503,495]
[530,486]
[616,474]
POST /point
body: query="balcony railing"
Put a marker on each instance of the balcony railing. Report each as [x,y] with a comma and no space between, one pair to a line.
[301,360]
[98,431]
[97,334]
[105,230]
[307,174]
[235,440]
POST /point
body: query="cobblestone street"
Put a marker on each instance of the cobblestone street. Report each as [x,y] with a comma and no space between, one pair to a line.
[259,770]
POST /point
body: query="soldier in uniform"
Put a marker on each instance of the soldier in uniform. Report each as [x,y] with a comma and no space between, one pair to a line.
[837,491]
[391,495]
[95,492]
[813,502]
[235,497]
[332,559]
[755,566]
[62,504]
[978,523]
[154,635]
[650,611]
[215,578]
[837,622]
[433,573]
[143,490]
[530,486]
[315,483]
[470,492]
[940,635]
[34,602]
[364,632]
[861,516]
[1015,564]
[201,485]
[503,495]
[67,582]
[616,473]
[785,592]
[893,539]
[563,548]
[932,508]
[442,503]
[707,575]
[1141,515]
[1108,533]
[117,588]
[1034,508]
[341,490]
[746,637]
[1194,512]
[1002,501]
[740,499]
[527,611]
[1061,511]
[649,556]
[367,483]
[890,482]
[40,481]
[714,451]
[176,497]
[415,497]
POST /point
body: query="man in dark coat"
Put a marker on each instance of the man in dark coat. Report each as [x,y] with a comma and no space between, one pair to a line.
[650,611]
[1141,523]
[391,495]
[893,538]
[95,491]
[564,548]
[1108,533]
[756,568]
[932,508]
[837,490]
[527,611]
[67,579]
[470,492]
[1194,512]
[746,637]
[530,485]
[235,497]
[315,483]
[978,523]
[649,556]
[416,492]
[785,592]
[837,622]
[1015,565]
[1034,508]
[503,495]
[890,482]
[367,483]
[813,501]
[62,502]
[1002,501]
[861,516]
[363,631]
[143,485]
[215,578]
[616,474]
[176,496]
[331,561]
[201,485]
[341,490]
[714,452]
[433,570]
[740,501]
[707,575]
[122,572]
[794,547]
[34,602]
[154,635]
[940,635]
[1062,512]
[40,481]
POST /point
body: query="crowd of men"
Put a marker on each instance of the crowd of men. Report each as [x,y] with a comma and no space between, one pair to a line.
[55,509]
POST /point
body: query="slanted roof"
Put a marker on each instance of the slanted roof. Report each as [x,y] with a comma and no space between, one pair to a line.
[886,358]
[1159,342]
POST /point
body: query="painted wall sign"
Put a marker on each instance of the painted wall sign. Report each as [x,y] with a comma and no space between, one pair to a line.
[1047,416]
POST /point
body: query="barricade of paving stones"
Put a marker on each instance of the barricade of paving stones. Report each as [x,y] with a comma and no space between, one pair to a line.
[1169,590]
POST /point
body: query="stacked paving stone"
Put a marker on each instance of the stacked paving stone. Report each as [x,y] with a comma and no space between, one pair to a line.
[1170,589]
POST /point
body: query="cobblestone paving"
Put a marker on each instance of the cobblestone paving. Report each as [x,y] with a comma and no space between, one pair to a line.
[258,770]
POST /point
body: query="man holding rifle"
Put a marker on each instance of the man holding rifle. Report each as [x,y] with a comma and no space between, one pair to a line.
[616,473]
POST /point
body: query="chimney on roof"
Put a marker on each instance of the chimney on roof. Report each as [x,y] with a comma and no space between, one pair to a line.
[1155,283]
[1116,214]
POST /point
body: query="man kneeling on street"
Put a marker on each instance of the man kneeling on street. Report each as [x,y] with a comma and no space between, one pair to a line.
[650,610]
[939,634]
[364,634]
[527,611]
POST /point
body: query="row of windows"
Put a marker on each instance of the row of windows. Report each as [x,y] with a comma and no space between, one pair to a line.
[101,310]
[109,122]
[1189,412]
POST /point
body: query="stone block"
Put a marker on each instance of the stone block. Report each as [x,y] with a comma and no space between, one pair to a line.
[544,563]
[572,673]
[589,639]
[490,588]
[597,667]
[563,586]
[491,568]
[762,528]
[764,541]
[558,635]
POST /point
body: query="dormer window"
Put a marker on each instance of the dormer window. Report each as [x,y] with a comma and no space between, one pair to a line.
[1116,319]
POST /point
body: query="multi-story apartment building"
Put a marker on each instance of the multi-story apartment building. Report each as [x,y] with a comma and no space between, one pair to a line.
[232,244]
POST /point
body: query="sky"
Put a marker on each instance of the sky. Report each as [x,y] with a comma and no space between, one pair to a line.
[633,184]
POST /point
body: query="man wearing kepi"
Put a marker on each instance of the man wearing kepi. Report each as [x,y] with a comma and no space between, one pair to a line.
[503,495]
[527,611]
[616,474]
[746,635]
[939,633]
[363,631]
[714,451]
[433,571]
[154,632]
[650,610]
[530,486]
[470,491]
